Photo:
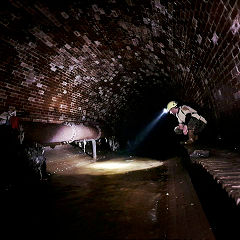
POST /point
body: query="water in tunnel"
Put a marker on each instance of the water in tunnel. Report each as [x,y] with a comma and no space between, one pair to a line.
[110,67]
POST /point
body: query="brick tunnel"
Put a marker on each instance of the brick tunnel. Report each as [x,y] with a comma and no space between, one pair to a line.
[84,83]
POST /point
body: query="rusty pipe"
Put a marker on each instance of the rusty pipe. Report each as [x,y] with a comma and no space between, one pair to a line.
[49,133]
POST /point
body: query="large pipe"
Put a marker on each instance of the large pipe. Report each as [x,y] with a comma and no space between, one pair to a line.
[49,133]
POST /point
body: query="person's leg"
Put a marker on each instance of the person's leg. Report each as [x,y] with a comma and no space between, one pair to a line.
[192,133]
[199,128]
[191,137]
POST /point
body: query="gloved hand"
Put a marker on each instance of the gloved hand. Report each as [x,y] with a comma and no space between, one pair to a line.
[185,130]
[177,130]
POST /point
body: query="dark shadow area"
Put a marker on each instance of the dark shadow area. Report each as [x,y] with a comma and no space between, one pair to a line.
[229,136]
[26,211]
[146,130]
[156,138]
[220,209]
[21,163]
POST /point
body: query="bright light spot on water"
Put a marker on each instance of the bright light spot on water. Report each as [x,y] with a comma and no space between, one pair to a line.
[121,165]
[113,166]
[110,165]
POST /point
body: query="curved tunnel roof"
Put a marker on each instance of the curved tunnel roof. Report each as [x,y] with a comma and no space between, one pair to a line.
[102,61]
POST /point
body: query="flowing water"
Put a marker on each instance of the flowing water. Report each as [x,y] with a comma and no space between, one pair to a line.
[114,198]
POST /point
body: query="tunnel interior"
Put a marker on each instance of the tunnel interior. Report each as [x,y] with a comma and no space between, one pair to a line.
[117,63]
[111,67]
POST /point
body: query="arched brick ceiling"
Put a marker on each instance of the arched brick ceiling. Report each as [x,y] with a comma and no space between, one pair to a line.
[98,60]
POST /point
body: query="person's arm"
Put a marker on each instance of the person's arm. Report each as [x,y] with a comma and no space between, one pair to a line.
[188,115]
[187,111]
[183,127]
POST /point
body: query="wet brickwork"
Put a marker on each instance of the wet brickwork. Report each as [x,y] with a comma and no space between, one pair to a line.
[99,61]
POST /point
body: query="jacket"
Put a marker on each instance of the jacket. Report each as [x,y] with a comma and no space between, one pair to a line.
[185,113]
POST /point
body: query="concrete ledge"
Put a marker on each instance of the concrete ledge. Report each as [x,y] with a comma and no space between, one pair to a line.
[186,218]
[224,167]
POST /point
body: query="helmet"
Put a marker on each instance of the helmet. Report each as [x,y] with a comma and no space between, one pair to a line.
[171,104]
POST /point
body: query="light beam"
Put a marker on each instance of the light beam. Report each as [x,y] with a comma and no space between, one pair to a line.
[143,134]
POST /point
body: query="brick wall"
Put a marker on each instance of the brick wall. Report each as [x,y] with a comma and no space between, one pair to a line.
[91,61]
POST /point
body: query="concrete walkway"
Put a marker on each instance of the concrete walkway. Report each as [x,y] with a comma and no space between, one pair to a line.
[186,218]
[216,178]
[224,167]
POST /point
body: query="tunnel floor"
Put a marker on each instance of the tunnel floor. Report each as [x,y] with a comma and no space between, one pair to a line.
[118,197]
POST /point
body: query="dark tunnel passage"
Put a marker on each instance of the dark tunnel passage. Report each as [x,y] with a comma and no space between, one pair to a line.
[86,143]
[117,63]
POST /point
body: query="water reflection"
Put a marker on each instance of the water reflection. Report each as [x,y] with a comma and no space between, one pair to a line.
[121,198]
[113,166]
[115,206]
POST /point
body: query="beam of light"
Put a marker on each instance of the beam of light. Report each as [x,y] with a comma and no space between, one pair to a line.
[143,134]
[165,110]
